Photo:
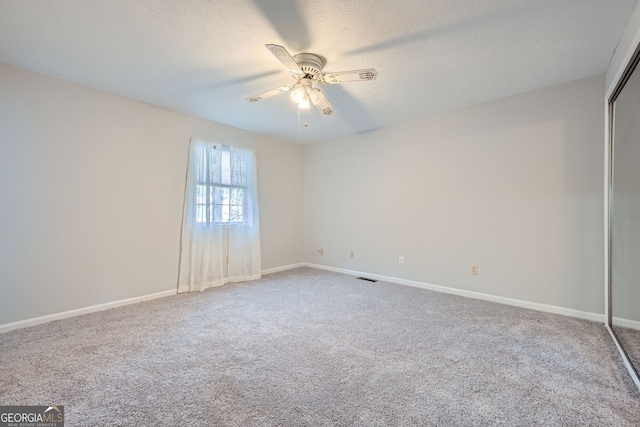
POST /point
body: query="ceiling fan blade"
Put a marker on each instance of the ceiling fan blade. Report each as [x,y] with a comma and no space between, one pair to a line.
[322,104]
[270,93]
[350,76]
[285,57]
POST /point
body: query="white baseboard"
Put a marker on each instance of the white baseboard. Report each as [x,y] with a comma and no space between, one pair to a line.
[284,268]
[470,294]
[626,323]
[77,312]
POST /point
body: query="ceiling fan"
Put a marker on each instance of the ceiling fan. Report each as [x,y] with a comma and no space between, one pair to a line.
[306,69]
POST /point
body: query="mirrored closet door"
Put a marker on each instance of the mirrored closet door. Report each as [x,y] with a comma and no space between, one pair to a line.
[624,215]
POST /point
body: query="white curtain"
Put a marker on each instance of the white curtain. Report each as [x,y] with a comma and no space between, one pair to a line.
[244,236]
[220,223]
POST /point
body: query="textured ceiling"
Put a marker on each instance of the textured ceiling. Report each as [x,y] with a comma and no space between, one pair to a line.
[204,57]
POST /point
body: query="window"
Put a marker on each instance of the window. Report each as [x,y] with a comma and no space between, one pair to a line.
[220,195]
[220,239]
[218,204]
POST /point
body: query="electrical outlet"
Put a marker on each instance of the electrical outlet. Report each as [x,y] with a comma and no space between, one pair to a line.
[474,269]
[352,254]
[400,259]
[321,251]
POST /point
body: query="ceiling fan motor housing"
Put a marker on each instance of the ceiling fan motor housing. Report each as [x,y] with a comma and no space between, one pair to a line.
[310,64]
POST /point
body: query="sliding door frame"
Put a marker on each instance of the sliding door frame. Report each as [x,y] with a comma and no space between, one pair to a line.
[632,65]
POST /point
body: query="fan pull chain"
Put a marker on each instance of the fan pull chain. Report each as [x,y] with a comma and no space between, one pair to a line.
[298,120]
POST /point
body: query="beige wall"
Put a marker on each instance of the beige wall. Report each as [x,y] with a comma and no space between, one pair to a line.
[92,188]
[514,186]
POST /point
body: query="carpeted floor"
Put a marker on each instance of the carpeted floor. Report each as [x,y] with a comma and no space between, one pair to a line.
[312,348]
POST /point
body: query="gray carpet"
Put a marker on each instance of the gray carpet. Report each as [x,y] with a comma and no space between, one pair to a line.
[313,348]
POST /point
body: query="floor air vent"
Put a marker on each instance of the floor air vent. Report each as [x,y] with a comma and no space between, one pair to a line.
[367,279]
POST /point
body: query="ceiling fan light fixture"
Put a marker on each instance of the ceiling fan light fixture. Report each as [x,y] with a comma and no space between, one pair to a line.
[304,102]
[298,95]
[301,97]
[315,95]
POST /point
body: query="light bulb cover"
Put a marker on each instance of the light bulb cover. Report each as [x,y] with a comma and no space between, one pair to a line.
[304,102]
[298,95]
[315,95]
[305,94]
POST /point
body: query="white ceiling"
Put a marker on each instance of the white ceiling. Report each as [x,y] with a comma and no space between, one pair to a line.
[204,57]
